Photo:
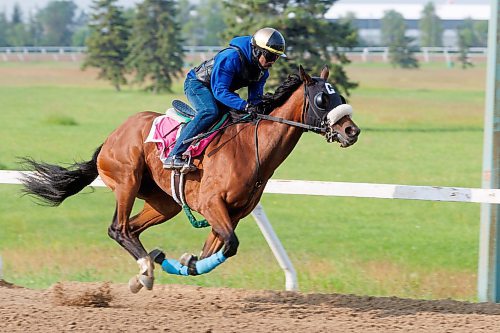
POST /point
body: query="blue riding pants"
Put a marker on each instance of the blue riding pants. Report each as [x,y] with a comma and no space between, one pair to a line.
[207,113]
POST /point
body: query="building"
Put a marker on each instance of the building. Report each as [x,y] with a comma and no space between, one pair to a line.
[368,16]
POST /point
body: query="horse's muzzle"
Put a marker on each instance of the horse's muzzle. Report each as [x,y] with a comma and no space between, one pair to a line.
[346,139]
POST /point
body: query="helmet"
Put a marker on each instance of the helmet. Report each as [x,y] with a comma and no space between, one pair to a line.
[269,39]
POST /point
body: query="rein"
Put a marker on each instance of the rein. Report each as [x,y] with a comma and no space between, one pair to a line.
[292,123]
[260,117]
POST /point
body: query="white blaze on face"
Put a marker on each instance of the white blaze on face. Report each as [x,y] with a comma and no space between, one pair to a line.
[338,112]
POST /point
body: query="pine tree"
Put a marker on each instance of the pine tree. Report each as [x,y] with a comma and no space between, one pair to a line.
[431,30]
[17,35]
[107,44]
[393,34]
[156,53]
[466,39]
[312,41]
[56,20]
[4,25]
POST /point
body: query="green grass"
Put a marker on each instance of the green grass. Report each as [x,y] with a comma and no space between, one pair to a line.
[418,127]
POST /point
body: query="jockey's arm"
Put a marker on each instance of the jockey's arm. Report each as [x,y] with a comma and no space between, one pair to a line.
[256,90]
[222,76]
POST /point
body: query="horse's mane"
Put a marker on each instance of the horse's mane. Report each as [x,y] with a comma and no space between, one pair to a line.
[282,93]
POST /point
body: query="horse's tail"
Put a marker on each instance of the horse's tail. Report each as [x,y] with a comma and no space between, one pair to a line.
[53,184]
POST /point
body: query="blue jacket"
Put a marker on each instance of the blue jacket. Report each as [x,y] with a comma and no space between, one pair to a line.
[224,79]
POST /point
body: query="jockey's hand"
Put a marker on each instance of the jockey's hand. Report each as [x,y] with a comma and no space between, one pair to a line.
[253,110]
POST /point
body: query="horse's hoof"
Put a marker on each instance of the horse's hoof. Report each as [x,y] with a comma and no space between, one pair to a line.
[147,281]
[134,284]
[186,258]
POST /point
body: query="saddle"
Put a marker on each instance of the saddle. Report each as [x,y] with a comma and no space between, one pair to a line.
[166,129]
[183,109]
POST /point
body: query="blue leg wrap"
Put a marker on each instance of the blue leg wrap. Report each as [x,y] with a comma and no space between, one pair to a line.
[203,266]
[172,266]
[206,265]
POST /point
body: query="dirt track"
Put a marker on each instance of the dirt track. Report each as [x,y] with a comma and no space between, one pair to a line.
[93,307]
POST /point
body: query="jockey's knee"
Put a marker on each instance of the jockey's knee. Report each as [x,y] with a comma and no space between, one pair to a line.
[210,115]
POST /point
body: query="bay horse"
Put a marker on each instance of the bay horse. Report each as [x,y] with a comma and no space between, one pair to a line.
[227,185]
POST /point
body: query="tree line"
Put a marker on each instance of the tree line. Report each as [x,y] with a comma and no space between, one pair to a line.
[402,47]
[146,42]
[149,44]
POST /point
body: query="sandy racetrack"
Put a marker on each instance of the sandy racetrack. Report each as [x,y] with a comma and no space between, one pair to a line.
[93,307]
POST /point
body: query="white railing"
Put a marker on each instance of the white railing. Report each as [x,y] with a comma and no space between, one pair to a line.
[344,189]
[368,53]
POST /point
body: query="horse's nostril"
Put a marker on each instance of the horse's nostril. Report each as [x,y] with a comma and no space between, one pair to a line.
[351,131]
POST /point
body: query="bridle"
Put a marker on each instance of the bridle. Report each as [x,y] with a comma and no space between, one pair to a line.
[307,106]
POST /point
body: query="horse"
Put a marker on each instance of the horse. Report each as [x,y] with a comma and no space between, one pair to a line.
[229,181]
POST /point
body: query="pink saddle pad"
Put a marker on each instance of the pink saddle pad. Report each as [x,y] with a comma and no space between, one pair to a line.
[166,129]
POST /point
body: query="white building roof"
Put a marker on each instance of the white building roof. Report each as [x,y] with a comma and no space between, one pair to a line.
[446,11]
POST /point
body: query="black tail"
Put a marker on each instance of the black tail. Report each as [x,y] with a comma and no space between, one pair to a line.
[52,183]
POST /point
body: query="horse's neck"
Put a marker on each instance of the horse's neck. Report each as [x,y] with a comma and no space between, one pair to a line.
[276,141]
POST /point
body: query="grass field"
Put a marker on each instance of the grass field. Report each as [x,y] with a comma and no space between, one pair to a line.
[420,127]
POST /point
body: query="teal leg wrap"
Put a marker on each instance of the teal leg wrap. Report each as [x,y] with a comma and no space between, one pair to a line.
[172,266]
[206,265]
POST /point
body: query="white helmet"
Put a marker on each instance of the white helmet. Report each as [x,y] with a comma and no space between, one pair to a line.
[269,39]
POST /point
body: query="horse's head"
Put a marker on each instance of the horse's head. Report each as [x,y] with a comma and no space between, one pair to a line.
[326,109]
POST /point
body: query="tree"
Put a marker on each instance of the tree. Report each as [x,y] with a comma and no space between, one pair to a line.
[81,30]
[431,30]
[107,47]
[466,39]
[393,35]
[203,22]
[312,40]
[4,25]
[56,20]
[156,53]
[35,30]
[481,33]
[17,33]
[17,15]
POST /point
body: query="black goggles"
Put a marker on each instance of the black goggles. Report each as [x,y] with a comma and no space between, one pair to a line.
[269,56]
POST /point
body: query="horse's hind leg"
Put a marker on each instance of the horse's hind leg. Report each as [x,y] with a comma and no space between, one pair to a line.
[120,231]
[158,208]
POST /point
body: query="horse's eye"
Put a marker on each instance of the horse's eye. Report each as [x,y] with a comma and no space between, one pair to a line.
[321,100]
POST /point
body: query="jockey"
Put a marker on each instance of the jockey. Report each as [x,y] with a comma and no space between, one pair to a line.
[210,87]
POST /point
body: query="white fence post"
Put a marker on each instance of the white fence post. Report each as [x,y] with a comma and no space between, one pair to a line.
[275,245]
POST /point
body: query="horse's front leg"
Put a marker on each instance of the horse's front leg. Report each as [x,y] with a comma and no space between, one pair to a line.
[221,244]
[213,244]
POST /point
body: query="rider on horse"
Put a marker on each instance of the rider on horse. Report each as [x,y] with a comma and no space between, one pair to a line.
[210,87]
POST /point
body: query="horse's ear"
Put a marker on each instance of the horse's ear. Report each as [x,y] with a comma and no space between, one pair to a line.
[324,73]
[304,76]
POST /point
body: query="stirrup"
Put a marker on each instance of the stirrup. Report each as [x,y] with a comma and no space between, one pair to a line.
[173,162]
[188,166]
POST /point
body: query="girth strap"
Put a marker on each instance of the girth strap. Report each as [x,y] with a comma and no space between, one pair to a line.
[177,184]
